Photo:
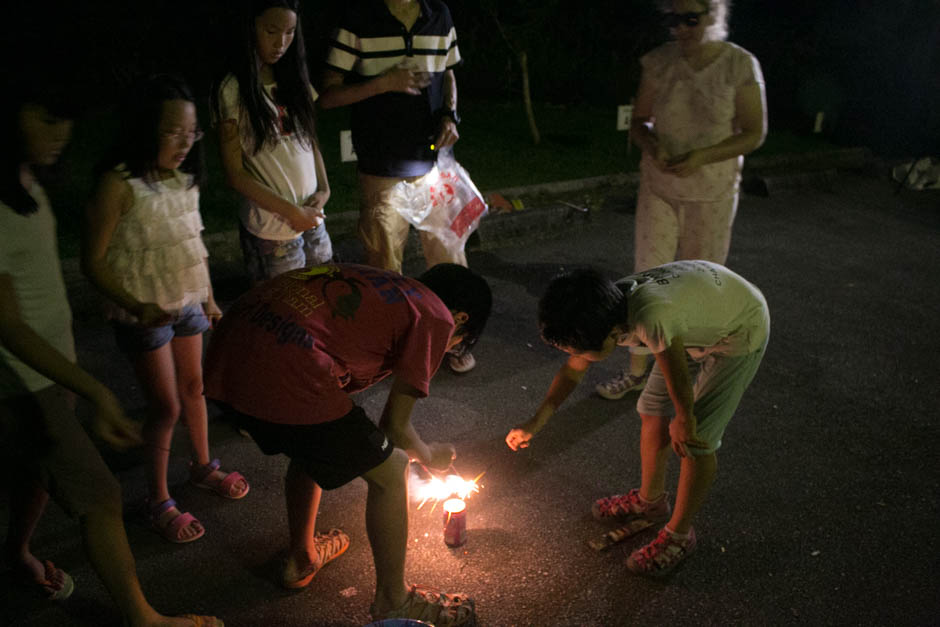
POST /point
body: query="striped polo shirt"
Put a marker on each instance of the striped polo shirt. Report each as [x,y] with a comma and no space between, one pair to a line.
[392,132]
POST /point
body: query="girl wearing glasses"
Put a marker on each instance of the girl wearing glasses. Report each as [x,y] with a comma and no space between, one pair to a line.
[265,112]
[144,251]
[699,109]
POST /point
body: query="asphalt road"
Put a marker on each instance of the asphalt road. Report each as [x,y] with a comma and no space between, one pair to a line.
[824,512]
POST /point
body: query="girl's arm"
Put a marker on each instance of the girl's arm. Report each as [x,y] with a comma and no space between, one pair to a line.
[211,308]
[20,339]
[113,198]
[335,93]
[318,200]
[566,380]
[249,187]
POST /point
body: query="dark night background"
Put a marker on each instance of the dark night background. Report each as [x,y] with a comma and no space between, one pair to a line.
[872,65]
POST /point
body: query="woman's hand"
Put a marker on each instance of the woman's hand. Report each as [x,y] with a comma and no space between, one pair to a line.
[686,164]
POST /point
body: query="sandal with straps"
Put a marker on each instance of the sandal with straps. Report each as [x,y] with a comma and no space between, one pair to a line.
[438,608]
[170,528]
[201,477]
[329,546]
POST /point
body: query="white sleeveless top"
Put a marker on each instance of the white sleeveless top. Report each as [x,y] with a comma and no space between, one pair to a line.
[156,251]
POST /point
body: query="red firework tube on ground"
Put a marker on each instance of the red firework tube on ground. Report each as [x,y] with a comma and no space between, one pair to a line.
[455,522]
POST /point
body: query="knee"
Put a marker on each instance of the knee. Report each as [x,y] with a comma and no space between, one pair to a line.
[164,413]
[390,474]
[191,388]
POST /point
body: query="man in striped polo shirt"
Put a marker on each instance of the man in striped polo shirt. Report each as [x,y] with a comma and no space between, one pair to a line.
[393,61]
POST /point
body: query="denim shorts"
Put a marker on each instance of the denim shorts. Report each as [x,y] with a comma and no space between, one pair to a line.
[134,338]
[267,258]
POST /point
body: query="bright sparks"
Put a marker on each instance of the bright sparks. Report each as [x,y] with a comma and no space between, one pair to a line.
[438,489]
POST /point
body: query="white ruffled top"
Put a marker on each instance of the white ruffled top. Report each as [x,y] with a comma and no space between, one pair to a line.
[156,251]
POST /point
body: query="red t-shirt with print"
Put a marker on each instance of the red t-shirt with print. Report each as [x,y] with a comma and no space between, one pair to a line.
[293,349]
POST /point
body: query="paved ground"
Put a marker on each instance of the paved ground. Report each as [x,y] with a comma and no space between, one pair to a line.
[826,506]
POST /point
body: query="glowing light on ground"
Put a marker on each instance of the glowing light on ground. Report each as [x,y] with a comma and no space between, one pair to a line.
[430,487]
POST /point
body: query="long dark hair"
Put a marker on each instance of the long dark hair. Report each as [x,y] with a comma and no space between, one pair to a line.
[290,73]
[138,142]
[58,99]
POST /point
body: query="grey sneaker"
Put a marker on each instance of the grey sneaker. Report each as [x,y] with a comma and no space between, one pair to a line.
[623,507]
[619,386]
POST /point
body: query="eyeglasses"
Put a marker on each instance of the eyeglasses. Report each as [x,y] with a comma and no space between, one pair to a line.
[176,136]
[690,19]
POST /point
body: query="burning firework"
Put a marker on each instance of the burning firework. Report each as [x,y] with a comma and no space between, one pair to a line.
[436,489]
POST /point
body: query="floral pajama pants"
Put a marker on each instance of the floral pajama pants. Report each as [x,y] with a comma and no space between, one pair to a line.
[670,230]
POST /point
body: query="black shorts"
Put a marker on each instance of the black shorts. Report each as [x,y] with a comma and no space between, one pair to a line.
[331,453]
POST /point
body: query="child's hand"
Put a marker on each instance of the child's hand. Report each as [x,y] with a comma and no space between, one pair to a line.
[442,455]
[682,431]
[518,438]
[301,221]
[152,315]
[318,201]
[212,311]
[112,426]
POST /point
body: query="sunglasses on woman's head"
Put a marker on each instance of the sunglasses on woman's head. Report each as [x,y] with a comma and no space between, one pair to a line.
[690,19]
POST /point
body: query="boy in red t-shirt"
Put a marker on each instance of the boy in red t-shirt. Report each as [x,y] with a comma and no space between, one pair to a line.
[285,359]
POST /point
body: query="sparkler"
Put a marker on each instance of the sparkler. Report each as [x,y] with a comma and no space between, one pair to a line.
[454,490]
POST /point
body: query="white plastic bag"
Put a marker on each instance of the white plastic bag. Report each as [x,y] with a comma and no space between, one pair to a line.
[445,202]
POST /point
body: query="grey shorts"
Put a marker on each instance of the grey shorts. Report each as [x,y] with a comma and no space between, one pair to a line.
[42,439]
[134,338]
[267,258]
[718,384]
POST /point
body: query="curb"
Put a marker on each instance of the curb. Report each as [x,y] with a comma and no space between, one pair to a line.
[762,175]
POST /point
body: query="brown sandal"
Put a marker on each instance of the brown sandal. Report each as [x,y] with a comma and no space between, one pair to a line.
[438,608]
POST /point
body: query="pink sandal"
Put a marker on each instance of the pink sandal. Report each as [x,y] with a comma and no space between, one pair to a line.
[201,477]
[170,529]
